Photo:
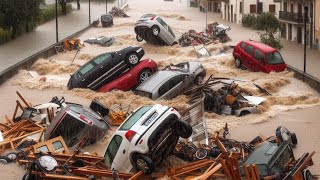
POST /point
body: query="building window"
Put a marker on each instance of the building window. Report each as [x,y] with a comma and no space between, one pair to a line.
[272,8]
[253,8]
[241,7]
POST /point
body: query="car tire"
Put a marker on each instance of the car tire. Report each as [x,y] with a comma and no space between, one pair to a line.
[198,80]
[307,175]
[243,113]
[294,139]
[238,62]
[183,129]
[132,58]
[139,38]
[144,163]
[155,30]
[144,74]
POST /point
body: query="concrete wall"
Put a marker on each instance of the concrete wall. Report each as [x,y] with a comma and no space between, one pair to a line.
[246,8]
[317,23]
[28,62]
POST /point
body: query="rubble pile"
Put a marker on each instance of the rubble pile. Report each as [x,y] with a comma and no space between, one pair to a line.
[214,33]
[117,12]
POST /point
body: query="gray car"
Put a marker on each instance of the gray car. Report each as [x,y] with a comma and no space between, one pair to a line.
[153,29]
[172,81]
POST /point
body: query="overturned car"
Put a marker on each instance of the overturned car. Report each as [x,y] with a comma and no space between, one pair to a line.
[153,29]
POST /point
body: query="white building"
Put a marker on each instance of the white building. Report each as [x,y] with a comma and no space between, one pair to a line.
[233,10]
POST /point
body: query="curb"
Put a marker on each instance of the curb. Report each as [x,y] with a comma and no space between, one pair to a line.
[27,62]
[313,82]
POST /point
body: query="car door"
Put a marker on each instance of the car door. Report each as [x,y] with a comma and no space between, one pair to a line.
[172,87]
[84,74]
[258,61]
[247,57]
[113,155]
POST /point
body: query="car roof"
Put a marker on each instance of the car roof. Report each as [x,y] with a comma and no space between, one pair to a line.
[264,153]
[261,46]
[148,15]
[152,82]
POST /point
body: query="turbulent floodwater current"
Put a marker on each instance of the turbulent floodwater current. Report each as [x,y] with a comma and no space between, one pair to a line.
[287,92]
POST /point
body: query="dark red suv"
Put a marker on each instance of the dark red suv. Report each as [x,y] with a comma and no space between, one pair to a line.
[257,56]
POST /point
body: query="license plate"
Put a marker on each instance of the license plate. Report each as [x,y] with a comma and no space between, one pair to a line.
[150,119]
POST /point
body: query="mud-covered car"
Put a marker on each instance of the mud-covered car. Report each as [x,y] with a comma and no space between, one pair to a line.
[155,30]
[145,139]
[172,81]
[104,68]
[133,77]
[78,125]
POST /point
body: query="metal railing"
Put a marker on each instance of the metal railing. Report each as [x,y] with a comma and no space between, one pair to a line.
[195,116]
[293,17]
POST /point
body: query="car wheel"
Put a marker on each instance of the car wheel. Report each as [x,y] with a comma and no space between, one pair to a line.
[144,164]
[155,30]
[132,58]
[243,113]
[139,38]
[198,80]
[238,62]
[144,74]
[294,139]
[307,175]
[183,129]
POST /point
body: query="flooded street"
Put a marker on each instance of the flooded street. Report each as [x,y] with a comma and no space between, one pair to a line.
[292,103]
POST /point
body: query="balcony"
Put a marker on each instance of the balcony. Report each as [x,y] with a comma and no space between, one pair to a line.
[292,17]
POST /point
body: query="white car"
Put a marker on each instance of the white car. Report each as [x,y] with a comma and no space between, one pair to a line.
[145,139]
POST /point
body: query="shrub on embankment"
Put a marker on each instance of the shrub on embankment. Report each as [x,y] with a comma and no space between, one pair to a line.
[49,12]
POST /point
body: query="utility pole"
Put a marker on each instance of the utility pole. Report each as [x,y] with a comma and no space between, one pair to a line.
[106,6]
[206,14]
[305,38]
[89,12]
[57,39]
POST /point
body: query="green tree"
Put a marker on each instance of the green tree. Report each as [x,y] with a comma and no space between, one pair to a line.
[269,24]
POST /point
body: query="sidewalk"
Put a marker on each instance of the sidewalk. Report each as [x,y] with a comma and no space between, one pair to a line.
[45,34]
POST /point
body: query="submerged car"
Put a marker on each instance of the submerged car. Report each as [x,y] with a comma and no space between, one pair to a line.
[145,139]
[257,56]
[133,77]
[172,81]
[78,125]
[153,29]
[104,68]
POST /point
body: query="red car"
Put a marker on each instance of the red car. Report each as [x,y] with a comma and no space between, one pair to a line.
[132,77]
[257,56]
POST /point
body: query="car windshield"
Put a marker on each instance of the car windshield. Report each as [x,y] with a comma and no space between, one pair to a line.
[70,129]
[274,58]
[134,118]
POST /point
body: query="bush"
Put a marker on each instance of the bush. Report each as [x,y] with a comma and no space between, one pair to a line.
[5,35]
[271,41]
[49,12]
[249,20]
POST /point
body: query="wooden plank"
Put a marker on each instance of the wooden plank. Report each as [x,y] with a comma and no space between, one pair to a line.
[246,171]
[211,172]
[253,174]
[226,169]
[136,176]
[9,121]
[219,144]
[256,171]
[23,100]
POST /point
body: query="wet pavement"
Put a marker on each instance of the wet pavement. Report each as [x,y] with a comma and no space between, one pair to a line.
[45,34]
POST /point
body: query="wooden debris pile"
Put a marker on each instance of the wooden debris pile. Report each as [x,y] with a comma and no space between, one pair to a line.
[118,12]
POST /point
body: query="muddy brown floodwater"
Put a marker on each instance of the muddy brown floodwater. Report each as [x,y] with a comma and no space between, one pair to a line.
[290,104]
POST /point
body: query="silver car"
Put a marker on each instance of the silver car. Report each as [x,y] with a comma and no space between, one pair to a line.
[153,29]
[172,81]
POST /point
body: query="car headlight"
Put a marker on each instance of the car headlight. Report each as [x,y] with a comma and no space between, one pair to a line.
[47,163]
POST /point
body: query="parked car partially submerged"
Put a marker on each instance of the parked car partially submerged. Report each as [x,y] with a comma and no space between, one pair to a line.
[172,81]
[106,20]
[133,77]
[153,29]
[102,40]
[78,125]
[257,56]
[104,68]
[145,139]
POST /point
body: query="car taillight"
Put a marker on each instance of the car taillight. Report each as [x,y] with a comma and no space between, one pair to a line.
[152,18]
[82,117]
[129,135]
